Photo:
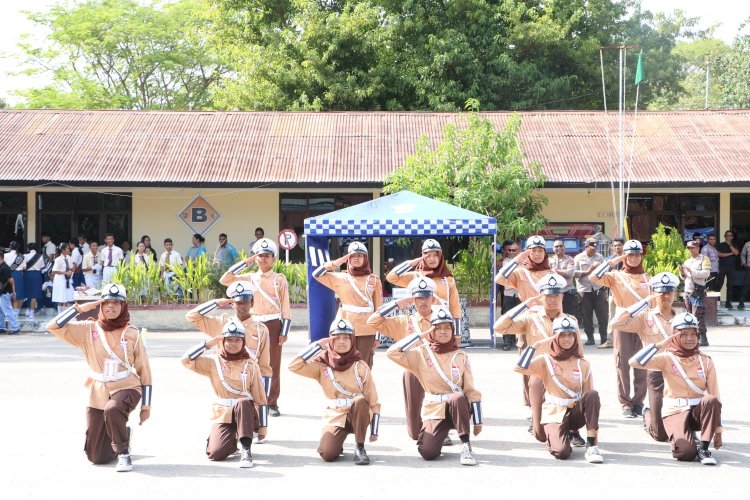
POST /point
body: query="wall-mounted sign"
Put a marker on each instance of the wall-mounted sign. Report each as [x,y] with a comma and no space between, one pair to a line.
[199,215]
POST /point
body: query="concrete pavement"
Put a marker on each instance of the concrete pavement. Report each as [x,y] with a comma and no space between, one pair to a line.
[44,400]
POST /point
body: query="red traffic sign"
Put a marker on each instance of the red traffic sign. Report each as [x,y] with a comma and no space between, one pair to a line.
[287,239]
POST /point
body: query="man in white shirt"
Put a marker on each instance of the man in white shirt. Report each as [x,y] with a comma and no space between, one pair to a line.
[48,248]
[593,295]
[83,244]
[92,267]
[111,255]
[168,260]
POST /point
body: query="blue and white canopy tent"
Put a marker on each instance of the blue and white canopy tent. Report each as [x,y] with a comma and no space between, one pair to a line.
[403,214]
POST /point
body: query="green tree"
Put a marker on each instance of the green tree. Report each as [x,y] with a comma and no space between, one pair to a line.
[122,54]
[666,252]
[734,71]
[478,168]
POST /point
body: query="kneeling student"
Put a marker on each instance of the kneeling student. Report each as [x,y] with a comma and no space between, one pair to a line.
[236,380]
[347,382]
[570,401]
[691,391]
[450,397]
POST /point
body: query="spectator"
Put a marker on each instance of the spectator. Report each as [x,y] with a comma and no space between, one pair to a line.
[146,240]
[15,259]
[259,235]
[7,294]
[83,244]
[510,297]
[745,261]
[48,248]
[593,295]
[169,260]
[615,250]
[111,255]
[126,251]
[710,251]
[698,238]
[76,257]
[696,270]
[225,254]
[564,265]
[727,266]
[62,275]
[141,257]
[32,279]
[92,267]
[197,249]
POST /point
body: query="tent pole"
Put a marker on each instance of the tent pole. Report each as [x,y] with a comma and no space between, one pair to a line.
[493,291]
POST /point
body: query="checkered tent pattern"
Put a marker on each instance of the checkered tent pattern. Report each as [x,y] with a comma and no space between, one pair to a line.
[400,227]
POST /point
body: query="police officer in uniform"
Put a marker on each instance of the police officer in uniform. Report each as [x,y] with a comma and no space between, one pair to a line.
[120,373]
[347,382]
[270,306]
[359,291]
[570,401]
[691,391]
[240,409]
[444,372]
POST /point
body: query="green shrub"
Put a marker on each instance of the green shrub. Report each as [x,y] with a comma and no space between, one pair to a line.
[473,271]
[666,251]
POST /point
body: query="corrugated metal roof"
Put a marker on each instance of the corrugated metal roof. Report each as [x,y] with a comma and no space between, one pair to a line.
[161,147]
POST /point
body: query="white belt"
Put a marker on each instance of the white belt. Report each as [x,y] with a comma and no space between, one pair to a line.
[230,401]
[437,398]
[357,309]
[559,401]
[120,375]
[340,402]
[681,401]
[266,317]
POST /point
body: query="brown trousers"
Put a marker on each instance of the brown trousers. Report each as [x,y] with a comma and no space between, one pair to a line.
[366,347]
[625,346]
[357,421]
[274,329]
[413,397]
[585,412]
[536,399]
[107,433]
[704,417]
[434,432]
[222,440]
[652,419]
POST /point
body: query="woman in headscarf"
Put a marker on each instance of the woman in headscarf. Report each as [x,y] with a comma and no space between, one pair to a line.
[359,291]
[347,382]
[62,278]
[120,373]
[523,271]
[236,380]
[691,391]
[450,398]
[431,264]
[570,401]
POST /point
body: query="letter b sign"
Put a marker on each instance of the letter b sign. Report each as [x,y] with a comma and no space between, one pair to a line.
[199,214]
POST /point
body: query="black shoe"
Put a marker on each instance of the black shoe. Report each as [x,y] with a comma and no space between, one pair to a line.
[590,342]
[360,456]
[741,306]
[703,342]
[273,410]
[531,429]
[638,410]
[576,440]
[15,332]
[627,412]
[3,331]
[705,457]
[728,305]
[506,347]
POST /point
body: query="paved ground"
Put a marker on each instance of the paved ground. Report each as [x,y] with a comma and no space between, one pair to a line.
[43,401]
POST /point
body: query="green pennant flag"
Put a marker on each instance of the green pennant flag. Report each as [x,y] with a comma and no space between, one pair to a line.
[639,73]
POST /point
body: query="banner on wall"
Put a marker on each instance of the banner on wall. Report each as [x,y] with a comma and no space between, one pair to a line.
[198,215]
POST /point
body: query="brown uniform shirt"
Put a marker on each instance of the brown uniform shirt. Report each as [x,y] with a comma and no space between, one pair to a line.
[275,286]
[399,327]
[703,378]
[369,286]
[446,292]
[651,326]
[621,283]
[523,280]
[85,336]
[455,365]
[574,373]
[314,369]
[535,325]
[256,335]
[232,371]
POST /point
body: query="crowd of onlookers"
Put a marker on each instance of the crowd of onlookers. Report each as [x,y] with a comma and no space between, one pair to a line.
[47,275]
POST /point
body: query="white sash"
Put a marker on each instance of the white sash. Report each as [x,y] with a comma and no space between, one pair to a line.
[111,354]
[341,388]
[243,376]
[440,371]
[539,325]
[626,283]
[276,303]
[684,375]
[362,295]
[659,326]
[570,392]
[529,277]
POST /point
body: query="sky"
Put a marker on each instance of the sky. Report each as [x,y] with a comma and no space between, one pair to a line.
[729,14]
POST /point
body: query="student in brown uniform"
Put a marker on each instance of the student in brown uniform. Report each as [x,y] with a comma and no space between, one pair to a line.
[240,295]
[270,306]
[347,382]
[359,291]
[445,374]
[691,391]
[240,410]
[571,401]
[535,262]
[431,265]
[532,320]
[120,373]
[652,326]
[628,286]
[421,291]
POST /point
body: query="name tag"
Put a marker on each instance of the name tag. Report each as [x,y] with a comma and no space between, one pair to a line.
[110,369]
[701,374]
[576,374]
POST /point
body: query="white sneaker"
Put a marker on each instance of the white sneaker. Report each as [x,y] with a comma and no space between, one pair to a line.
[258,439]
[467,456]
[246,459]
[124,464]
[593,456]
[705,457]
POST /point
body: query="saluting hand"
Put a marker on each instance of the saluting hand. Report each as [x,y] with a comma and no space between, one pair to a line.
[521,257]
[145,414]
[616,260]
[251,260]
[214,341]
[224,301]
[405,302]
[415,262]
[88,306]
[477,429]
[341,260]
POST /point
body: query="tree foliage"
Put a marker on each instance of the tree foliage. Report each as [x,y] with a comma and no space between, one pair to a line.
[666,252]
[478,168]
[734,71]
